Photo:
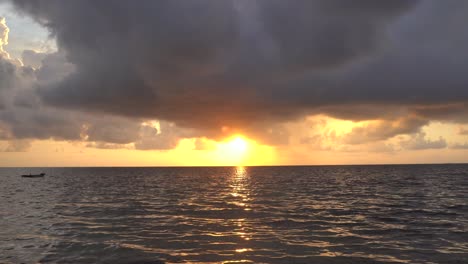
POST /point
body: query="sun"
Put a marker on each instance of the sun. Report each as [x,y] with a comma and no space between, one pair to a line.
[236,150]
[237,145]
[233,151]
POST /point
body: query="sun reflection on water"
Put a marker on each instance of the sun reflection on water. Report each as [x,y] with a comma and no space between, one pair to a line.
[240,189]
[241,172]
[241,198]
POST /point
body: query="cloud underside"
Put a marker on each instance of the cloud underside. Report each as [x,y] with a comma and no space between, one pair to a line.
[206,68]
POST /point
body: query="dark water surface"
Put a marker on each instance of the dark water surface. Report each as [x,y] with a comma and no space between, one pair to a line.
[330,214]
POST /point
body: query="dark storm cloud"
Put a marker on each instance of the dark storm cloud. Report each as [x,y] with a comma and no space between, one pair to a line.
[326,33]
[249,65]
[12,78]
[39,123]
[25,118]
[20,124]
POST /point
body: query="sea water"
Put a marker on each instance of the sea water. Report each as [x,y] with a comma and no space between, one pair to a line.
[317,214]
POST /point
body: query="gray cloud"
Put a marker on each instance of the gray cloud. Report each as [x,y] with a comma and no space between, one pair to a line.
[4,30]
[25,117]
[7,69]
[460,146]
[463,131]
[105,145]
[18,146]
[150,138]
[419,142]
[112,130]
[382,130]
[321,34]
[250,65]
[42,123]
[7,74]
[203,144]
[32,58]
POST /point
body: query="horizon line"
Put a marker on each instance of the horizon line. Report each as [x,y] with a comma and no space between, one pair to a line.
[233,166]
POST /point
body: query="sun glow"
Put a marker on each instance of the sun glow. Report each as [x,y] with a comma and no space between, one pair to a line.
[233,151]
[237,145]
[236,150]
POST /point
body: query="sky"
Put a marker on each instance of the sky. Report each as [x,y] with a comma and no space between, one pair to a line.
[235,82]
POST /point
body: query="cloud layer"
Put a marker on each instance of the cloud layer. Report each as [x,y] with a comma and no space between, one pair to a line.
[243,66]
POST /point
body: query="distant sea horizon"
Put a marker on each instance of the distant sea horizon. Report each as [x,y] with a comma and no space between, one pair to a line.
[217,166]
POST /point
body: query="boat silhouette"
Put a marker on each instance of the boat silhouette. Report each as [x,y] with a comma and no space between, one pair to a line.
[33,175]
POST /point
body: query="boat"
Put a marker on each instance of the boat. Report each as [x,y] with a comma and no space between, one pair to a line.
[33,175]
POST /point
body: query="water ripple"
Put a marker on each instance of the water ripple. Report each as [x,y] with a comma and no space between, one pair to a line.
[341,214]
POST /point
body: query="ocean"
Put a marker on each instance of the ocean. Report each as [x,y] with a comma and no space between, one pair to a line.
[310,214]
